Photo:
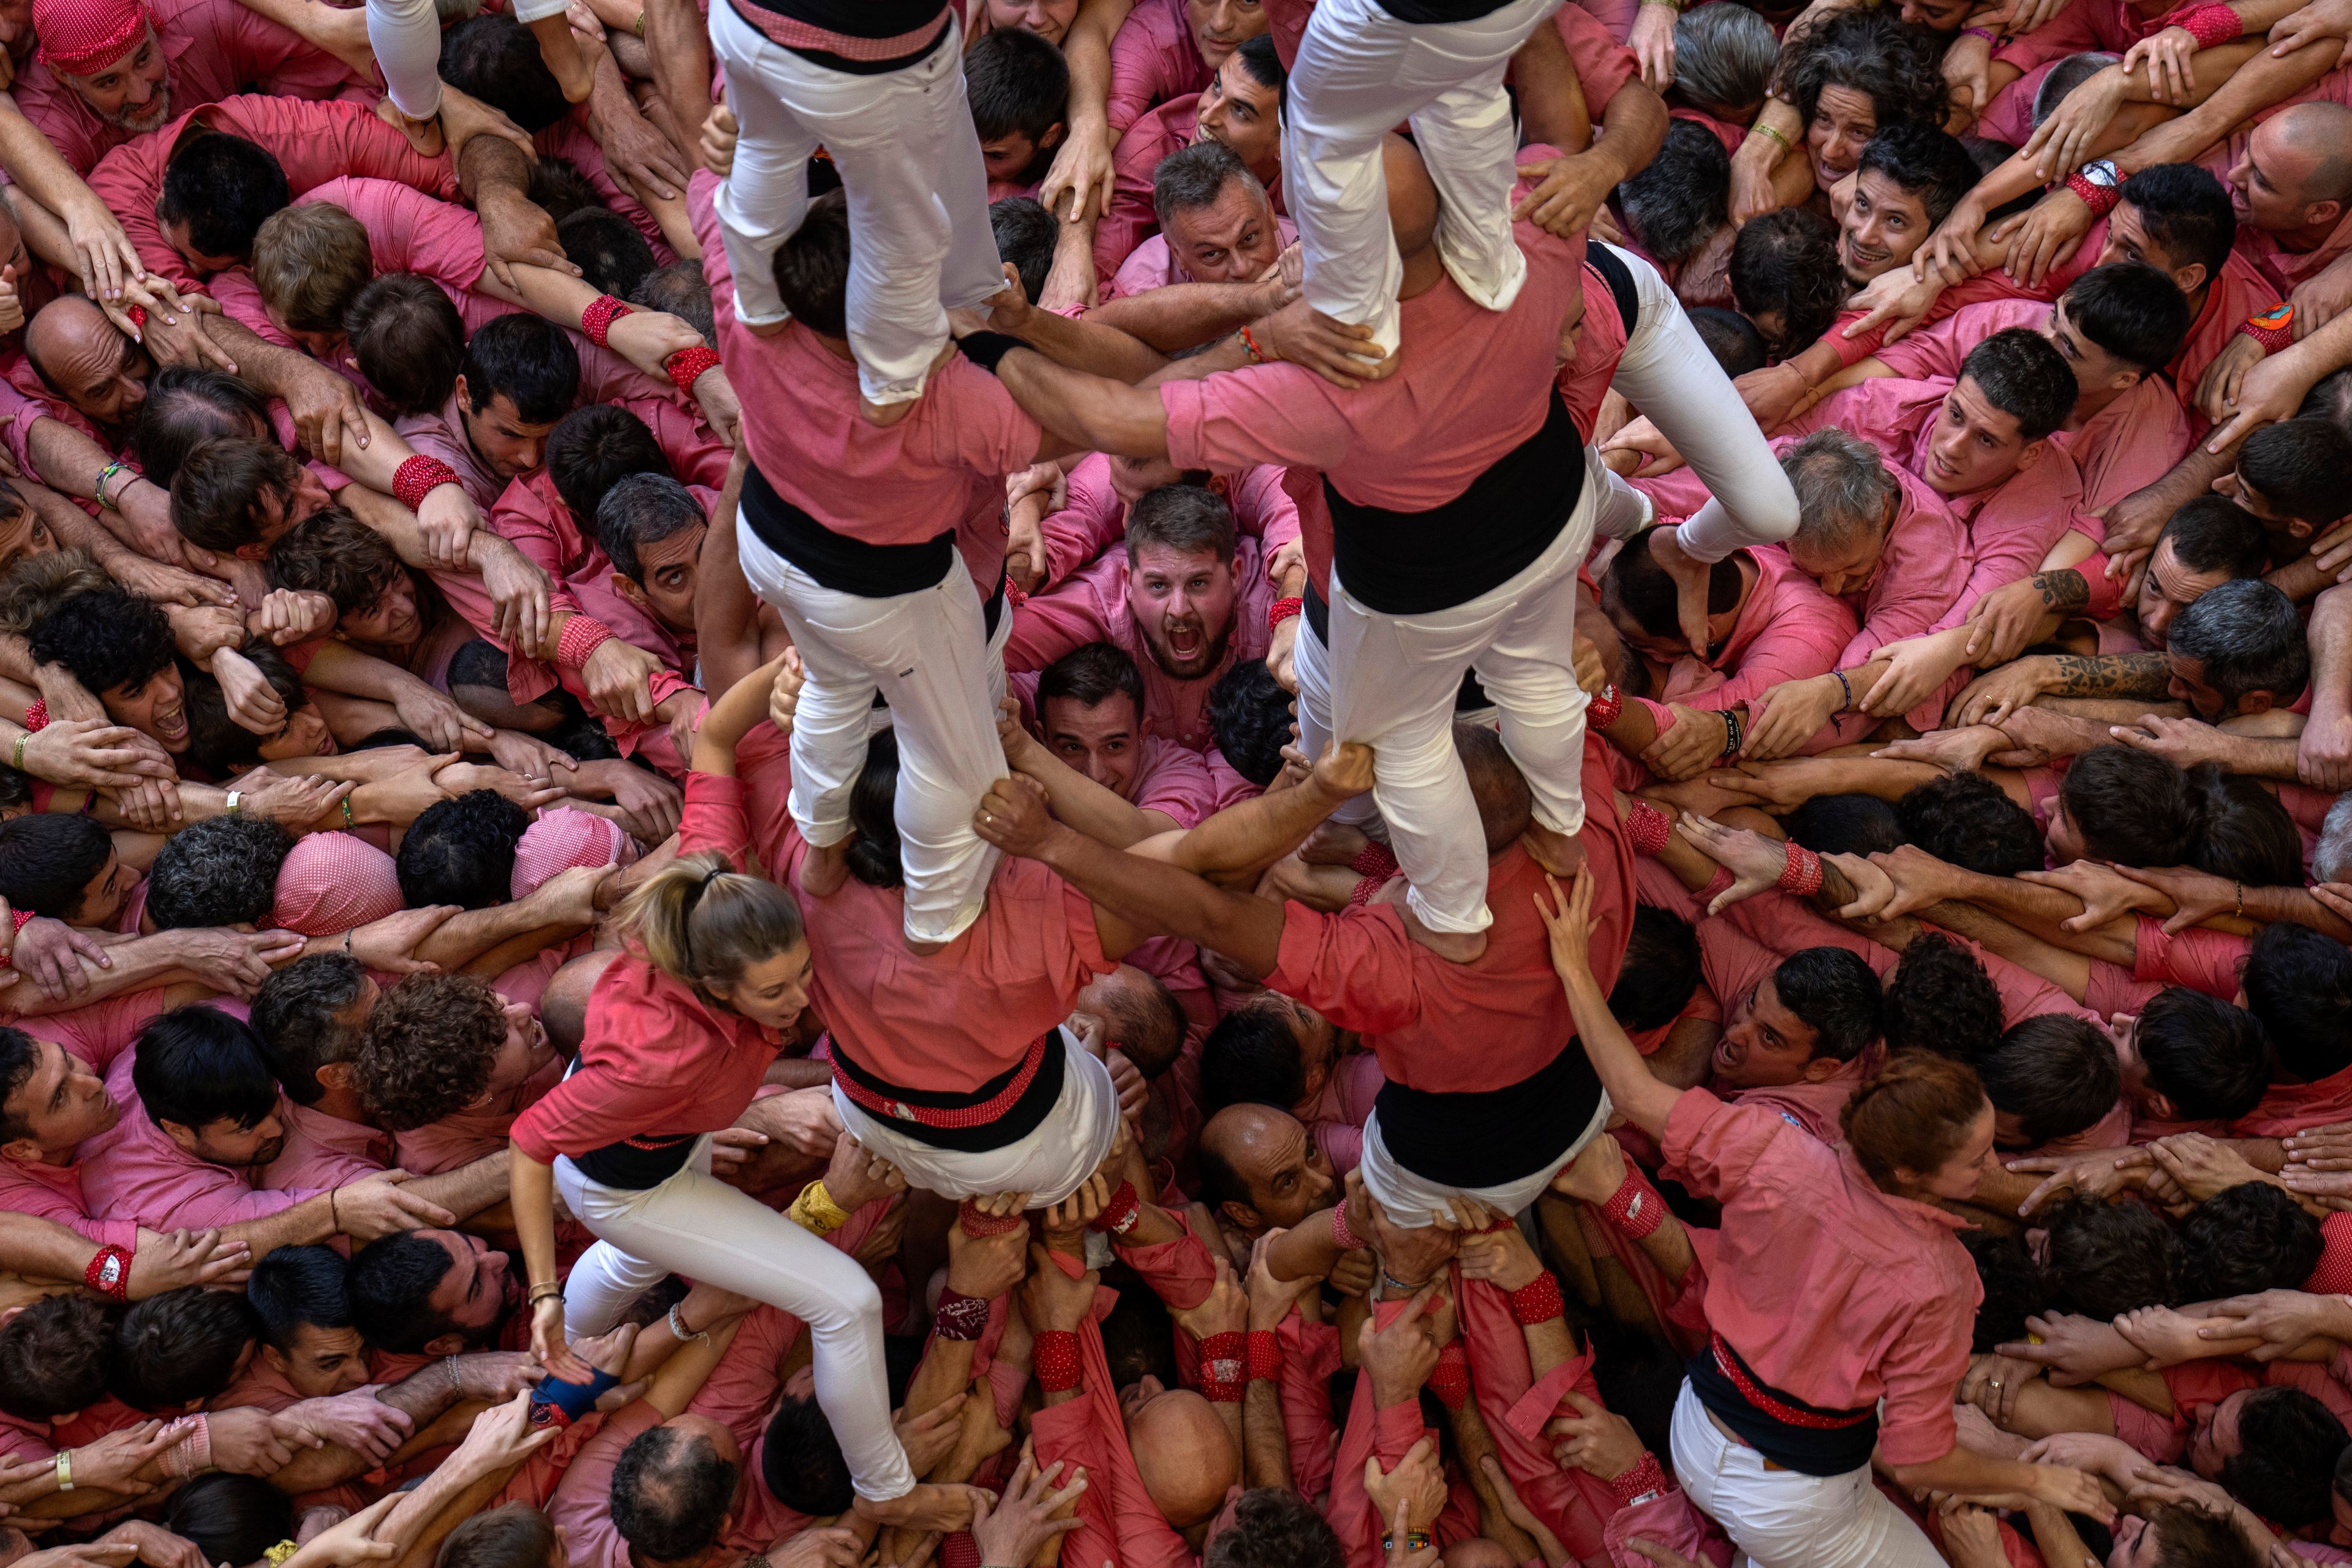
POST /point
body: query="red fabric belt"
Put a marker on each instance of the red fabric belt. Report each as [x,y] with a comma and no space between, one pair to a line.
[1779,1410]
[977,1114]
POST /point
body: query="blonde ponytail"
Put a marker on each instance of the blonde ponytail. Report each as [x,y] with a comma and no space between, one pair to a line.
[700,920]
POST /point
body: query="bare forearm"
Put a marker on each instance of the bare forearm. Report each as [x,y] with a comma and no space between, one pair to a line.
[1181,315]
[1085,410]
[2259,83]
[1161,899]
[1266,1444]
[2109,674]
[468,1189]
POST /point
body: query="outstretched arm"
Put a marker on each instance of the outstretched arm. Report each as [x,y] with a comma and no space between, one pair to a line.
[1090,411]
[1631,1085]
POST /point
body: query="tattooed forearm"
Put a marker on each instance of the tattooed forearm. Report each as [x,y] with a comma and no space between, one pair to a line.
[2111,674]
[2065,589]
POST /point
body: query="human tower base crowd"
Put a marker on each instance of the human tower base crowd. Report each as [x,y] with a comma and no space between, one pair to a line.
[1175,784]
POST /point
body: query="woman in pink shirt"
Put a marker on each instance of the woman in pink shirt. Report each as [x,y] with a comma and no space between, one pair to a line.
[681,1030]
[1838,1286]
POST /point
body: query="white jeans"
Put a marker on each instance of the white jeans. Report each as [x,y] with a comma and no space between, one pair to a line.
[1360,73]
[1785,1518]
[1414,1203]
[699,1227]
[903,139]
[1049,1164]
[407,37]
[1311,665]
[929,655]
[1395,679]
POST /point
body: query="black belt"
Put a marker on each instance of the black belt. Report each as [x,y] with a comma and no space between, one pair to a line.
[834,560]
[1494,1137]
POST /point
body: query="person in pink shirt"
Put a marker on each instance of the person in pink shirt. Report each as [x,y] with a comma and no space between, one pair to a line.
[113,70]
[1240,107]
[1216,225]
[1778,1423]
[1171,48]
[1187,600]
[2292,195]
[1101,490]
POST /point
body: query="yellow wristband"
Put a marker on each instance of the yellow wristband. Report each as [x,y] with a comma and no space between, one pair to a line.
[1763,130]
[816,1211]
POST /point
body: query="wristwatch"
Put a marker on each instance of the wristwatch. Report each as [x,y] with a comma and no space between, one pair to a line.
[2103,172]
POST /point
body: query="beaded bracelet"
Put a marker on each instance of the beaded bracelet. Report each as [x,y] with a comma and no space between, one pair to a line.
[1054,1357]
[1249,343]
[418,474]
[1282,610]
[597,319]
[687,364]
[1605,707]
[959,1316]
[1647,828]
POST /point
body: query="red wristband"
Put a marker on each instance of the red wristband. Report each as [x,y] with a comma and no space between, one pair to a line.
[138,314]
[1802,875]
[418,474]
[1604,707]
[597,319]
[1538,1300]
[109,1273]
[1120,1214]
[686,364]
[1647,828]
[1056,1359]
[1224,1367]
[1282,610]
[36,715]
[1450,1379]
[1634,1208]
[2209,25]
[980,1227]
[23,917]
[1342,1236]
[582,635]
[1641,1481]
[2100,199]
[1264,1355]
[959,1316]
[2273,327]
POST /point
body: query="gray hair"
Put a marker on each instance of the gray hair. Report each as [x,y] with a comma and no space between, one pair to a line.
[2331,861]
[1724,55]
[638,511]
[1843,488]
[1195,177]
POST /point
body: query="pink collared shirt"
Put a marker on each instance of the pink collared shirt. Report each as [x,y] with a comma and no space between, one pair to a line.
[1787,630]
[2207,961]
[465,1136]
[323,1151]
[1153,265]
[1830,1289]
[1131,216]
[133,1172]
[1119,1521]
[1153,60]
[1093,518]
[1094,607]
[99,1035]
[215,49]
[313,143]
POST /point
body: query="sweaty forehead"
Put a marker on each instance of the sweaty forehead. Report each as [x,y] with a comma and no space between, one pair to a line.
[683,545]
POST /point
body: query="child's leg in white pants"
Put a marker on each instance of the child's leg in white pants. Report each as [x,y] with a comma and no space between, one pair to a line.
[407,37]
[1311,663]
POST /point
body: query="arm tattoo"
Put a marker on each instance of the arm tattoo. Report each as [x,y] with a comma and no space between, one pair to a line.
[2065,589]
[2112,675]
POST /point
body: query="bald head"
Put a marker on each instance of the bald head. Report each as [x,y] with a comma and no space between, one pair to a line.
[2319,136]
[563,1005]
[1182,1452]
[1260,1167]
[94,367]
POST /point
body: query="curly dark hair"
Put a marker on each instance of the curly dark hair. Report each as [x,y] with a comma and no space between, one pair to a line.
[1786,263]
[462,851]
[1969,821]
[2107,1260]
[1276,1528]
[106,639]
[1942,1000]
[334,553]
[429,1049]
[222,871]
[1895,65]
[2247,1240]
[294,1012]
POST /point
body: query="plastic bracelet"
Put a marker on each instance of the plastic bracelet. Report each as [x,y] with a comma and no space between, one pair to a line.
[1987,34]
[1846,687]
[1414,1540]
[1249,345]
[980,1226]
[1647,828]
[1802,875]
[36,715]
[1120,1214]
[1733,731]
[1344,1238]
[959,1316]
[816,1211]
[1264,1356]
[1604,707]
[417,476]
[105,474]
[597,319]
[17,761]
[1282,610]
[1538,1300]
[578,641]
[65,1469]
[1763,130]
[2209,25]
[687,364]
[1450,1379]
[236,801]
[1633,1210]
[1224,1367]
[109,1273]
[347,816]
[2273,327]
[542,1290]
[1645,1479]
[1054,1358]
[2100,199]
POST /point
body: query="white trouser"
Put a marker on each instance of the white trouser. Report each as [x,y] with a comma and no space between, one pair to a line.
[1049,1164]
[929,655]
[1360,73]
[407,37]
[1667,373]
[1310,663]
[903,139]
[1786,1518]
[1395,680]
[1414,1203]
[699,1227]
